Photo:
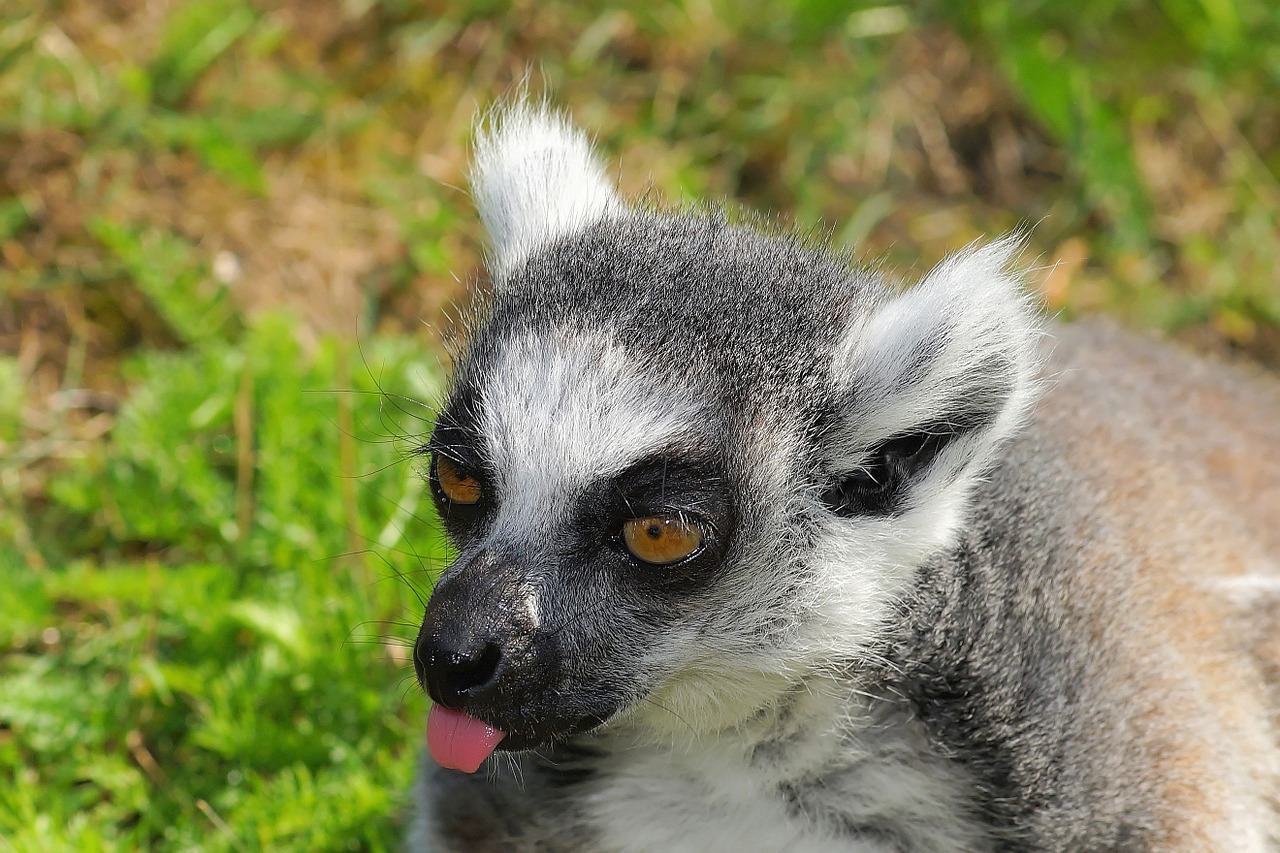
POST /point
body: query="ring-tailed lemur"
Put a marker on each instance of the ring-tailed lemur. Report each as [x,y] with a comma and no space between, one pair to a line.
[756,552]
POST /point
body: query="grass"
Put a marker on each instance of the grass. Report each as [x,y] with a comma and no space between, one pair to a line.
[200,637]
[229,235]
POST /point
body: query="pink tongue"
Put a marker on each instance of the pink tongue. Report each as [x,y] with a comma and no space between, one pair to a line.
[460,742]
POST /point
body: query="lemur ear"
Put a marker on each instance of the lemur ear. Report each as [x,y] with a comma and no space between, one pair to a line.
[931,381]
[535,178]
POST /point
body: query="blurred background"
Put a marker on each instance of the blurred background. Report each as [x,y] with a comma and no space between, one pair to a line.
[233,232]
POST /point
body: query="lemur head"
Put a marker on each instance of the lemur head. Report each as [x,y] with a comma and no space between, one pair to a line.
[686,462]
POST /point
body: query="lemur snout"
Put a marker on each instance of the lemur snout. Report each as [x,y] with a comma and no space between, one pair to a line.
[452,675]
[474,651]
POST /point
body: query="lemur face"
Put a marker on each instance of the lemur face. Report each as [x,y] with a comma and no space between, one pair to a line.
[590,531]
[607,465]
[684,461]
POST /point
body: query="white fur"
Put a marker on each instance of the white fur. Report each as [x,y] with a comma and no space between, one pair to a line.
[867,564]
[978,308]
[715,793]
[565,410]
[535,179]
[863,566]
[726,676]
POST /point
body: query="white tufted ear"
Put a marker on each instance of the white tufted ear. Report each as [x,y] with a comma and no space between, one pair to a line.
[535,178]
[936,377]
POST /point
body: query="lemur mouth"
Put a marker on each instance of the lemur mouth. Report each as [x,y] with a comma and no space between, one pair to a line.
[459,741]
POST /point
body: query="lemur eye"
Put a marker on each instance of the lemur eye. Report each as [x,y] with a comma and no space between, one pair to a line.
[661,539]
[456,484]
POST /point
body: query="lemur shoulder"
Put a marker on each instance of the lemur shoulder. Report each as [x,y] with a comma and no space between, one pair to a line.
[757,552]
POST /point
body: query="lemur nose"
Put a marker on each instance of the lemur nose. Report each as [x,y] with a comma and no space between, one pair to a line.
[452,676]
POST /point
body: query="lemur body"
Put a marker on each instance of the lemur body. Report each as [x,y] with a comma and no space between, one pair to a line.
[757,553]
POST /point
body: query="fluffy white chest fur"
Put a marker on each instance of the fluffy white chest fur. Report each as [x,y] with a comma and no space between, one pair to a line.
[714,802]
[804,784]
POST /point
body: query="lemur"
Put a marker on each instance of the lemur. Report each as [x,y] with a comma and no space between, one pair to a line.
[757,551]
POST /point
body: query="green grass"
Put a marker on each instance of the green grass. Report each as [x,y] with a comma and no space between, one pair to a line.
[222,222]
[203,642]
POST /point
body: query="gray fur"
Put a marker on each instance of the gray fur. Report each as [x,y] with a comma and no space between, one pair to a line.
[932,614]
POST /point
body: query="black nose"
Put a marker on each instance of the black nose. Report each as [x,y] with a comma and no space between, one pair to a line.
[452,676]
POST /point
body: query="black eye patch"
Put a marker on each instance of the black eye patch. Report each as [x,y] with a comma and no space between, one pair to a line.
[689,490]
[456,441]
[669,484]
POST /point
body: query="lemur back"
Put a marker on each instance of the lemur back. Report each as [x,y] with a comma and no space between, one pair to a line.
[758,551]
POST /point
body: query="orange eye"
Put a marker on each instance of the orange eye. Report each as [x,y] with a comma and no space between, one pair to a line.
[661,539]
[458,486]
